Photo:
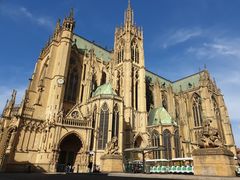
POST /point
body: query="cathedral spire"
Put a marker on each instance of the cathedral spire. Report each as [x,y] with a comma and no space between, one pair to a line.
[128,21]
[69,22]
[129,4]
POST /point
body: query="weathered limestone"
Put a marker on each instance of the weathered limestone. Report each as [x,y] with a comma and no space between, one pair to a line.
[213,162]
[82,97]
[111,163]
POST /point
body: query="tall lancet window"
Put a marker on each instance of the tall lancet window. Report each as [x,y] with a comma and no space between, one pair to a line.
[104,78]
[177,144]
[167,154]
[164,101]
[218,117]
[41,83]
[156,143]
[94,115]
[42,76]
[72,82]
[118,88]
[115,122]
[197,110]
[103,127]
[94,84]
[134,52]
[120,52]
[136,90]
[177,112]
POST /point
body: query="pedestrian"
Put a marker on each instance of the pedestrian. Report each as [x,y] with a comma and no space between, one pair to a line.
[90,167]
[67,169]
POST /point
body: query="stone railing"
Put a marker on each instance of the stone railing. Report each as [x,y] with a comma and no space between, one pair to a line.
[75,122]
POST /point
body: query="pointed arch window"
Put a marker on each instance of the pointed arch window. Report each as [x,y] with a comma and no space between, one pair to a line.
[120,54]
[94,116]
[42,76]
[136,95]
[197,110]
[138,142]
[72,82]
[104,78]
[156,143]
[118,83]
[103,127]
[177,112]
[177,144]
[115,122]
[134,52]
[94,84]
[167,153]
[149,93]
[218,117]
[164,101]
[133,87]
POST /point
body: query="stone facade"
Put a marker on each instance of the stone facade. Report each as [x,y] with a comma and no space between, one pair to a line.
[214,162]
[81,96]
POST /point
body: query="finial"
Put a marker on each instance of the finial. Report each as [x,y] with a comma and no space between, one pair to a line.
[71,13]
[129,4]
[14,93]
[205,66]
[214,81]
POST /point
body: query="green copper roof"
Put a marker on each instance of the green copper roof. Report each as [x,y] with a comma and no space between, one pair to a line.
[183,84]
[155,78]
[105,89]
[159,116]
[186,83]
[84,44]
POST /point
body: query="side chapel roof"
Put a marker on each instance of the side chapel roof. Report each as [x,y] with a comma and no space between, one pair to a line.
[105,89]
[159,116]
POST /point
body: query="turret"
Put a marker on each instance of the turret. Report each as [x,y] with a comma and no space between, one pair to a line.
[10,105]
[69,23]
[130,69]
[60,64]
[129,20]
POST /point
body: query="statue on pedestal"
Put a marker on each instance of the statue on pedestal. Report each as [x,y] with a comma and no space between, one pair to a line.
[209,137]
[112,146]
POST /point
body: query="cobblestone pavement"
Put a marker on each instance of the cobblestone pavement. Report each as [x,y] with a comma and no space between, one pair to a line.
[111,176]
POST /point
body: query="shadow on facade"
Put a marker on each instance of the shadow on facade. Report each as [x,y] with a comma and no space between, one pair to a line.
[24,167]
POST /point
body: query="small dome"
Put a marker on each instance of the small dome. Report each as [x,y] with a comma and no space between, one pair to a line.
[105,89]
[159,116]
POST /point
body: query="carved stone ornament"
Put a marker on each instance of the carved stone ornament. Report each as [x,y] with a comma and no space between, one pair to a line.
[75,114]
[209,137]
[112,146]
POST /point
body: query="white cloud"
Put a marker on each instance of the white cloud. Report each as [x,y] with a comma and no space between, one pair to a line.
[217,48]
[5,93]
[228,81]
[175,37]
[236,128]
[17,12]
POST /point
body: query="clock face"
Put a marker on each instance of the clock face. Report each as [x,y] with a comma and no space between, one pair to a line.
[60,81]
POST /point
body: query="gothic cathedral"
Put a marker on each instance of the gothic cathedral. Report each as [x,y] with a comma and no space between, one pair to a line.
[84,101]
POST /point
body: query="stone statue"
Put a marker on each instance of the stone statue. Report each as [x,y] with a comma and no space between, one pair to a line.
[1,130]
[209,136]
[60,115]
[112,146]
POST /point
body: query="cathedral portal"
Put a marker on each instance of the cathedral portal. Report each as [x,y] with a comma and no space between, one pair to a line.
[69,148]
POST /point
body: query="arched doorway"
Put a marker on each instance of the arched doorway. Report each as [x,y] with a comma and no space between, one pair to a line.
[138,143]
[68,150]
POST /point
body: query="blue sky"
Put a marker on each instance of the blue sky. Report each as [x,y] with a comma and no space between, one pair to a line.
[179,38]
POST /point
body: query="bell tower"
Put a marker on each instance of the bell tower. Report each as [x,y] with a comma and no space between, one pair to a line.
[47,85]
[130,70]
